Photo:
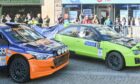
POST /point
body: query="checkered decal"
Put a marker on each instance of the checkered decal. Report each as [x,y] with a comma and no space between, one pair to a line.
[2,52]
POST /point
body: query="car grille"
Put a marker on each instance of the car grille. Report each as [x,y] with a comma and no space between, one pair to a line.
[61,60]
[137,60]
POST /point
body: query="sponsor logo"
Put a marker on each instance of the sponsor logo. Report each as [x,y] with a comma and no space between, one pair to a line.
[99,0]
[93,44]
[2,61]
[2,52]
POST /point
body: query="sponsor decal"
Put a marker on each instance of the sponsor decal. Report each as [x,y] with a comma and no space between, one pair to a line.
[9,52]
[2,61]
[2,52]
[88,43]
[100,52]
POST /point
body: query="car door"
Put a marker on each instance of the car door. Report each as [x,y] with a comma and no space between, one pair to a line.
[88,44]
[69,37]
[3,48]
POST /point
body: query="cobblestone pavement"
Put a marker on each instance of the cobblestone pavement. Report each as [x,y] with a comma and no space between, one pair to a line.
[83,70]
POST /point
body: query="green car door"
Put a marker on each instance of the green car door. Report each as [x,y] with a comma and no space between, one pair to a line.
[69,37]
[87,44]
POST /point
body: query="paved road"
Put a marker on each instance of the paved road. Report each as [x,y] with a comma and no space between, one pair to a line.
[82,70]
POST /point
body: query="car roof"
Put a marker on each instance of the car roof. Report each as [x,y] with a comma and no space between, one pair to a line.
[9,25]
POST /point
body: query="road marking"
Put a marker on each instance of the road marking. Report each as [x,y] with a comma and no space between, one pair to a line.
[102,73]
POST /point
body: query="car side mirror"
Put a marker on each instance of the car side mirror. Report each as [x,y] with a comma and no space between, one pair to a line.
[96,38]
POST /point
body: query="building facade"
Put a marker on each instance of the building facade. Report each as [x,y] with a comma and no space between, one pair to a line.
[112,8]
[52,8]
[13,7]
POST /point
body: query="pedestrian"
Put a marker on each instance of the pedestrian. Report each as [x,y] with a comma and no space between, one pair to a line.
[60,20]
[28,18]
[8,18]
[95,20]
[102,20]
[33,21]
[132,22]
[117,25]
[123,21]
[47,21]
[3,20]
[129,20]
[17,18]
[124,28]
[108,22]
[86,20]
[39,19]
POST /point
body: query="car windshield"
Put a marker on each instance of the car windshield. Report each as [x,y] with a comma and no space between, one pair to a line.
[104,30]
[23,34]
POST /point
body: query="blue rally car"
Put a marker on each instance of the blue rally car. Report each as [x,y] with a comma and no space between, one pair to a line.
[28,55]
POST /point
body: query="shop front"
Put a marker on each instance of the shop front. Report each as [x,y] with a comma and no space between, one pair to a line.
[113,8]
[13,7]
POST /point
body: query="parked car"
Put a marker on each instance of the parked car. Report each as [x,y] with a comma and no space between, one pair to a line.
[28,55]
[101,42]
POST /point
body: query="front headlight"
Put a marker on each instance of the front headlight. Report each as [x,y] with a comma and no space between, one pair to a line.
[63,50]
[40,56]
[59,51]
[136,52]
[66,49]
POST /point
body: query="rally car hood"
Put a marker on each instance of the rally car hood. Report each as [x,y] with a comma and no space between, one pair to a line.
[43,45]
[125,41]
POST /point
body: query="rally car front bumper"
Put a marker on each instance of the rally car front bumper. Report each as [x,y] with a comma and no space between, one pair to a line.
[132,60]
[40,68]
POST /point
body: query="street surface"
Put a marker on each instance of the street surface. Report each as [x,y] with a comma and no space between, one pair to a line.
[83,70]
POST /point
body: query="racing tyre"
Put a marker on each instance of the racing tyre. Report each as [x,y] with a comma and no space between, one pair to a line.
[115,61]
[19,70]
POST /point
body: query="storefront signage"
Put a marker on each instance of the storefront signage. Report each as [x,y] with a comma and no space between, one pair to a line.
[100,1]
[87,12]
[136,13]
[73,16]
[71,6]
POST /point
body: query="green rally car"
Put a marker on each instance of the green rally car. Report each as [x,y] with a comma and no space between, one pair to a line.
[101,42]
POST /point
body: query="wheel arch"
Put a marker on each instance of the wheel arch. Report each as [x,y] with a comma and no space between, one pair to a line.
[16,56]
[117,52]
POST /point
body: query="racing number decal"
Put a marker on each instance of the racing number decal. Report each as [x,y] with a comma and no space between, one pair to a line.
[100,52]
[2,52]
[2,56]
